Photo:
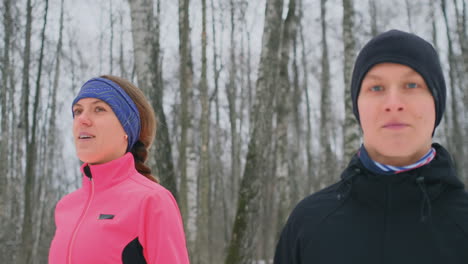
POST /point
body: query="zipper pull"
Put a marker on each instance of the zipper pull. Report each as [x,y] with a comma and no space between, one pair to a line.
[87,172]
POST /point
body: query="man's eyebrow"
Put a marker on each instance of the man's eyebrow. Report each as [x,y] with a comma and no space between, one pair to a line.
[412,73]
[372,76]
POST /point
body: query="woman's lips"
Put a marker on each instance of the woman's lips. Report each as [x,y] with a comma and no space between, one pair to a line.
[85,136]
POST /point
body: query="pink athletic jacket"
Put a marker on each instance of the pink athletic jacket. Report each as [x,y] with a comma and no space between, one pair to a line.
[118,216]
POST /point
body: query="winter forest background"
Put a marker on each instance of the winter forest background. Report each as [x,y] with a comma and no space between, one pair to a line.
[252,99]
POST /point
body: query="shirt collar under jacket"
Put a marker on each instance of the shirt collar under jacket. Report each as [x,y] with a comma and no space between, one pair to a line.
[437,175]
[110,173]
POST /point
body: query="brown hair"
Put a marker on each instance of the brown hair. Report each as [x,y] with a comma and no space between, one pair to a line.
[148,125]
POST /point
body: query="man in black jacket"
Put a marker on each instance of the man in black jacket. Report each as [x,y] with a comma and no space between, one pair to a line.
[399,200]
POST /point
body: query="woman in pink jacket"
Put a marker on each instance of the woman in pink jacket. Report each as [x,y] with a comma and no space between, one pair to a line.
[120,214]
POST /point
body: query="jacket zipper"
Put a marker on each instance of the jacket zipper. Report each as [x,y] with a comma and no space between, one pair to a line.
[80,221]
[388,198]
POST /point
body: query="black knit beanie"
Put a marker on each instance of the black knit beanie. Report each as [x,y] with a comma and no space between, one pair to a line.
[403,48]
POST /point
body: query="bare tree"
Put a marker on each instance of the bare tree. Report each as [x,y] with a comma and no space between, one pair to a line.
[26,232]
[31,152]
[241,246]
[231,91]
[409,15]
[204,180]
[186,74]
[285,185]
[148,68]
[374,17]
[326,119]
[351,128]
[5,126]
[456,133]
[111,38]
[310,172]
[220,198]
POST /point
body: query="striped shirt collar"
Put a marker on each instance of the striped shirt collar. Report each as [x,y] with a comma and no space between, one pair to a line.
[380,168]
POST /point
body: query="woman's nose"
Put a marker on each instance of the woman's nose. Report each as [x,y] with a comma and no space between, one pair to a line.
[83,118]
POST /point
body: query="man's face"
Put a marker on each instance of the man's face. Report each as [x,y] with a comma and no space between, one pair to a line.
[397,114]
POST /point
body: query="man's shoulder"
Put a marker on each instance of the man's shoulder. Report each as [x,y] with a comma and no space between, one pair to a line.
[315,207]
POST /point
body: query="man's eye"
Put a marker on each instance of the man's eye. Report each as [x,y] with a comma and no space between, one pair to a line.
[412,85]
[376,88]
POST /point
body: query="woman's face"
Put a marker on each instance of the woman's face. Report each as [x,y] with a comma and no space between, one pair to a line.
[397,114]
[99,136]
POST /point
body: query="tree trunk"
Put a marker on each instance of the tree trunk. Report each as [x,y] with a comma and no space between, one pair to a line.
[30,192]
[231,91]
[111,37]
[409,15]
[149,72]
[28,188]
[351,127]
[326,119]
[242,245]
[310,171]
[5,234]
[434,23]
[187,152]
[204,181]
[185,86]
[461,73]
[285,95]
[219,195]
[373,15]
[455,145]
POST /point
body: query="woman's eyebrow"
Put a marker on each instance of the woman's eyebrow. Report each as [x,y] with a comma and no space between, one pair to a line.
[97,101]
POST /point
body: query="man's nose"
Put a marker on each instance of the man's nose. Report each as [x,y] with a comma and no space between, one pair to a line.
[394,101]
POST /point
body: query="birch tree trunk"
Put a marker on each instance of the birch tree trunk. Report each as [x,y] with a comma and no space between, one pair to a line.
[32,195]
[462,34]
[149,72]
[26,231]
[204,181]
[219,195]
[231,91]
[111,37]
[351,127]
[311,179]
[326,119]
[409,15]
[373,17]
[455,144]
[185,85]
[242,245]
[285,184]
[188,158]
[5,235]
[433,5]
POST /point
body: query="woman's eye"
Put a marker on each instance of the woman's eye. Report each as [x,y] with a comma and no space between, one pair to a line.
[100,109]
[376,88]
[412,85]
[76,111]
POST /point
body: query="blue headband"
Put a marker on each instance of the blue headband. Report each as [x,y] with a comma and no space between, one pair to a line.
[122,105]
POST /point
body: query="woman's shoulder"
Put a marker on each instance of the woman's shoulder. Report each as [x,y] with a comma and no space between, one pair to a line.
[148,188]
[76,197]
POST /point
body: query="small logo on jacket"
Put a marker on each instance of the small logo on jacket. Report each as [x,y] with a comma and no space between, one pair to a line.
[106,216]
